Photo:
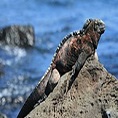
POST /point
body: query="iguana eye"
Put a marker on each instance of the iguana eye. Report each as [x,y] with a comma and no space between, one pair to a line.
[87,23]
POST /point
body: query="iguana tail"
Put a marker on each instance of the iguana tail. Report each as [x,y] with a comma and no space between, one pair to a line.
[38,95]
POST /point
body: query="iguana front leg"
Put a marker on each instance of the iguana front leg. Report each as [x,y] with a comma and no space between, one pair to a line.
[77,67]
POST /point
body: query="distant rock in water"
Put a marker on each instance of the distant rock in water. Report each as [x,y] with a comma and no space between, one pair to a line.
[94,94]
[17,35]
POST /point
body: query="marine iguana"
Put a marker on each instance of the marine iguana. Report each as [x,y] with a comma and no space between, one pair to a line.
[71,54]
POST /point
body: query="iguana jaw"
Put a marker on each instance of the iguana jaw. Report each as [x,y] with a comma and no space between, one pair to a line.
[99,29]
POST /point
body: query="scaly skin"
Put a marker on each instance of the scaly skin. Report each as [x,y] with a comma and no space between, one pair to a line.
[71,54]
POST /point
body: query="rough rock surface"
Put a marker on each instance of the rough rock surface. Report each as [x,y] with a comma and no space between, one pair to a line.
[17,35]
[94,94]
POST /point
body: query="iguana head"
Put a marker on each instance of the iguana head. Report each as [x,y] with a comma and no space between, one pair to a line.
[94,27]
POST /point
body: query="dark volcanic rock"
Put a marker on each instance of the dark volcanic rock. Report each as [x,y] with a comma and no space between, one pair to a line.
[94,94]
[17,35]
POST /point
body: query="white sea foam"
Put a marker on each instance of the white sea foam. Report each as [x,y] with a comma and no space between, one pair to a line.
[16,52]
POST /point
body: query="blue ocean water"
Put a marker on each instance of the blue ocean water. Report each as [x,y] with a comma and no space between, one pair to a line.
[52,19]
